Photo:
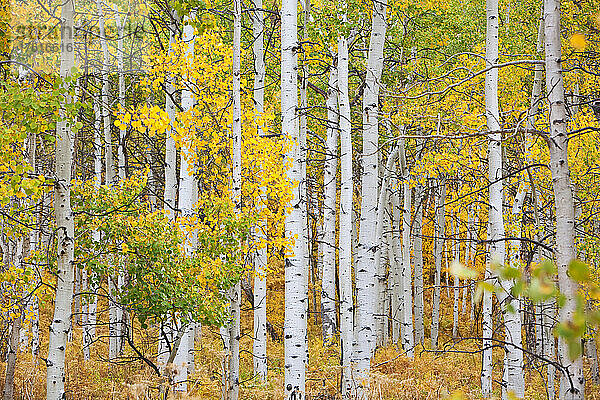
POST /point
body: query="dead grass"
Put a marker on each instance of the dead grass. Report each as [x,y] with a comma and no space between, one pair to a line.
[394,377]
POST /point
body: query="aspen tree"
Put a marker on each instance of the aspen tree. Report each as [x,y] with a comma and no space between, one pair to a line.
[328,303]
[408,341]
[420,201]
[235,296]
[365,258]
[496,223]
[186,204]
[346,225]
[439,233]
[65,229]
[573,385]
[295,268]
[381,251]
[259,349]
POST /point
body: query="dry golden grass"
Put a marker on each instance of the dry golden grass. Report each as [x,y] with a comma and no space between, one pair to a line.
[429,375]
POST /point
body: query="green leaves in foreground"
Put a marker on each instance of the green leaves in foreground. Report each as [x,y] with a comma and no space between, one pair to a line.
[540,287]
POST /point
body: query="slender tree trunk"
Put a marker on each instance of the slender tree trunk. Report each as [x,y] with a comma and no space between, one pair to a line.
[420,202]
[295,269]
[11,359]
[346,225]
[496,223]
[328,302]
[110,179]
[396,262]
[381,251]
[65,229]
[439,232]
[260,262]
[573,385]
[454,244]
[121,74]
[236,292]
[408,340]
[187,200]
[365,259]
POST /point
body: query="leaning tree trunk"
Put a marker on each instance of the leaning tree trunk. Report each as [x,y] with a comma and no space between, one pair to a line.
[65,228]
[572,382]
[11,358]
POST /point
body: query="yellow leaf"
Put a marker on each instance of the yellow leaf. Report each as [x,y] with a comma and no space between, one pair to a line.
[578,41]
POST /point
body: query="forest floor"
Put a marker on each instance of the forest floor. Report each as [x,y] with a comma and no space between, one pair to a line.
[452,373]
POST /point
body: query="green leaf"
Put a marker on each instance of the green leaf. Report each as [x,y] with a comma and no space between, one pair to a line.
[579,271]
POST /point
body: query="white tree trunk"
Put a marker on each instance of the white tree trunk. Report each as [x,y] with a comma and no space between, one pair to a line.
[573,385]
[110,178]
[295,269]
[65,229]
[496,222]
[365,258]
[328,302]
[121,73]
[187,200]
[548,318]
[396,261]
[439,232]
[236,292]
[170,193]
[453,245]
[171,186]
[420,202]
[346,226]
[259,350]
[408,340]
[382,251]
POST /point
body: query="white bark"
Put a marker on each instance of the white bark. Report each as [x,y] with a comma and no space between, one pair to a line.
[65,229]
[365,258]
[573,385]
[548,318]
[328,295]
[236,291]
[439,232]
[187,200]
[110,177]
[420,202]
[396,261]
[295,270]
[381,252]
[454,244]
[121,74]
[170,193]
[408,340]
[346,226]
[496,223]
[259,350]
